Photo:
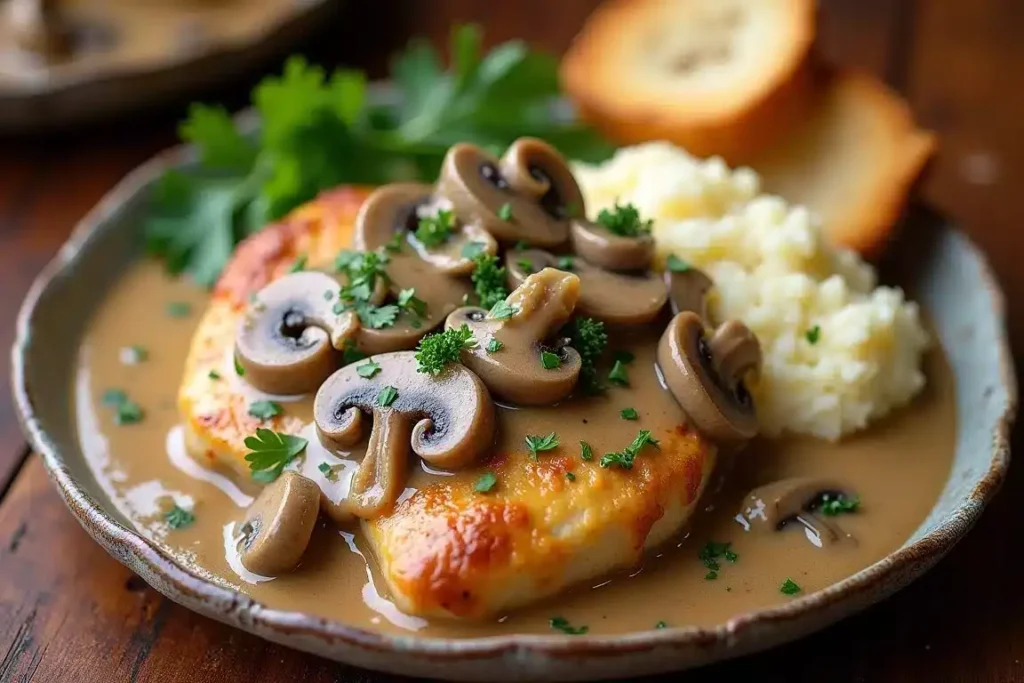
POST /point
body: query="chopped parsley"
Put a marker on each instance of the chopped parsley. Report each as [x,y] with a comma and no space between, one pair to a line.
[494,346]
[179,518]
[213,374]
[264,410]
[570,476]
[486,482]
[368,369]
[437,350]
[624,221]
[394,245]
[565,263]
[330,472]
[433,231]
[541,443]
[589,338]
[711,575]
[299,264]
[387,396]
[676,264]
[505,212]
[270,452]
[629,414]
[813,335]
[789,587]
[472,249]
[619,375]
[239,370]
[502,310]
[624,458]
[134,354]
[362,270]
[525,265]
[549,361]
[838,505]
[562,624]
[586,452]
[179,309]
[488,280]
[126,411]
[411,305]
[661,625]
[711,551]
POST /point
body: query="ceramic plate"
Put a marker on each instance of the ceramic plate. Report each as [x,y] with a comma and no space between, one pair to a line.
[937,263]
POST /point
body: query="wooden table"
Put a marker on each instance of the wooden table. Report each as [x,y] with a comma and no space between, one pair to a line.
[68,612]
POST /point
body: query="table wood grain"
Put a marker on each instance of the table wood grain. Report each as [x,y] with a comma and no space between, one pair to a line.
[68,612]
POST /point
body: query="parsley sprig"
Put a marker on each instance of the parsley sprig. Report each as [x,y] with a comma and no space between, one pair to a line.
[627,455]
[488,280]
[270,452]
[624,220]
[535,444]
[438,350]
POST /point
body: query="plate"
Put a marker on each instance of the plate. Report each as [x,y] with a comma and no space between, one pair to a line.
[144,52]
[941,268]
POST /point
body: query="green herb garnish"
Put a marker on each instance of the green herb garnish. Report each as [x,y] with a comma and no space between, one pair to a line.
[813,335]
[411,305]
[676,264]
[565,262]
[472,249]
[505,212]
[264,410]
[486,482]
[629,414]
[438,350]
[179,309]
[350,353]
[134,354]
[541,443]
[711,551]
[270,452]
[502,311]
[114,397]
[563,625]
[299,264]
[387,396]
[179,518]
[368,369]
[494,346]
[619,375]
[433,231]
[525,265]
[586,452]
[549,361]
[661,625]
[589,338]
[488,280]
[126,411]
[213,374]
[627,455]
[711,575]
[624,221]
[570,476]
[838,505]
[789,587]
[330,472]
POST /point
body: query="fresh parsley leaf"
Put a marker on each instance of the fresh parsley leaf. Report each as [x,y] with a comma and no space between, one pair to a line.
[299,264]
[270,452]
[789,587]
[368,369]
[179,309]
[239,370]
[410,304]
[126,411]
[350,353]
[377,317]
[535,444]
[486,482]
[570,476]
[264,410]
[330,472]
[711,575]
[629,414]
[676,264]
[220,143]
[563,625]
[488,280]
[618,374]
[586,452]
[437,350]
[179,518]
[730,556]
[472,249]
[213,374]
[433,231]
[502,310]
[505,212]
[710,553]
[832,506]
[624,221]
[813,335]
[565,262]
[549,361]
[494,346]
[525,265]
[624,458]
[387,396]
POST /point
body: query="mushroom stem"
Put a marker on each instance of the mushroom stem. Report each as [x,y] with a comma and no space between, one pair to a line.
[381,475]
[544,302]
[736,351]
[688,291]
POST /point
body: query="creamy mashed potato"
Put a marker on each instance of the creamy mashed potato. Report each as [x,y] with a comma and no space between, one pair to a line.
[839,350]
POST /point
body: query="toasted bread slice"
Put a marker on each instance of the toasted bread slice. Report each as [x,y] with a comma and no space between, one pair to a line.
[852,161]
[716,77]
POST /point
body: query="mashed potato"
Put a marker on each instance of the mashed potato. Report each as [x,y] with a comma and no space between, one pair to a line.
[839,351]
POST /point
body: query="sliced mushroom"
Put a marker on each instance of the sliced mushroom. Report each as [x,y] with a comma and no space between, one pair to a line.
[279,524]
[391,210]
[688,291]
[531,183]
[616,298]
[515,372]
[446,419]
[773,506]
[289,338]
[38,27]
[604,249]
[707,376]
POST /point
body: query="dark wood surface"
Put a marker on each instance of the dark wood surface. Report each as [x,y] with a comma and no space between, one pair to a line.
[68,612]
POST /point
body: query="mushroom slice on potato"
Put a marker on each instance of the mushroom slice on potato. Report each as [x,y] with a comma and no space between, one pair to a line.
[279,524]
[289,338]
[604,249]
[446,419]
[615,298]
[433,275]
[527,195]
[536,310]
[707,376]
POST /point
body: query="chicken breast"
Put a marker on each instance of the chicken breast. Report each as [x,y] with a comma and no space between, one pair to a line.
[447,549]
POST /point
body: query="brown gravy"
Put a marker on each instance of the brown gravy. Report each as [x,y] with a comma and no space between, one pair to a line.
[897,467]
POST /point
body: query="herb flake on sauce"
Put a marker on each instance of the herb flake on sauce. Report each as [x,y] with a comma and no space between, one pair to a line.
[486,482]
[629,414]
[789,587]
[179,518]
[562,624]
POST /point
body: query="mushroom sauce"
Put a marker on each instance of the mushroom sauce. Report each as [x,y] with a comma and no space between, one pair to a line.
[897,468]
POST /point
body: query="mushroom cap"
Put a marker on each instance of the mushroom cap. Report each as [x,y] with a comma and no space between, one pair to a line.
[688,291]
[787,500]
[706,376]
[392,209]
[451,414]
[279,524]
[532,178]
[615,298]
[515,373]
[604,249]
[288,339]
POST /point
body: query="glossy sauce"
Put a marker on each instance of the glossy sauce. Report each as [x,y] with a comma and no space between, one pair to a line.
[898,468]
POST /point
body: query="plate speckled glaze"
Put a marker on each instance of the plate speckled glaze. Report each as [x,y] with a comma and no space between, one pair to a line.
[941,268]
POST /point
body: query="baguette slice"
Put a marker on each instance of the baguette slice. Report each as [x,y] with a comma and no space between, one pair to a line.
[852,161]
[716,77]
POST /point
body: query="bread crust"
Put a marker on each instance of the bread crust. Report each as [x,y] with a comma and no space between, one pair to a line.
[734,122]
